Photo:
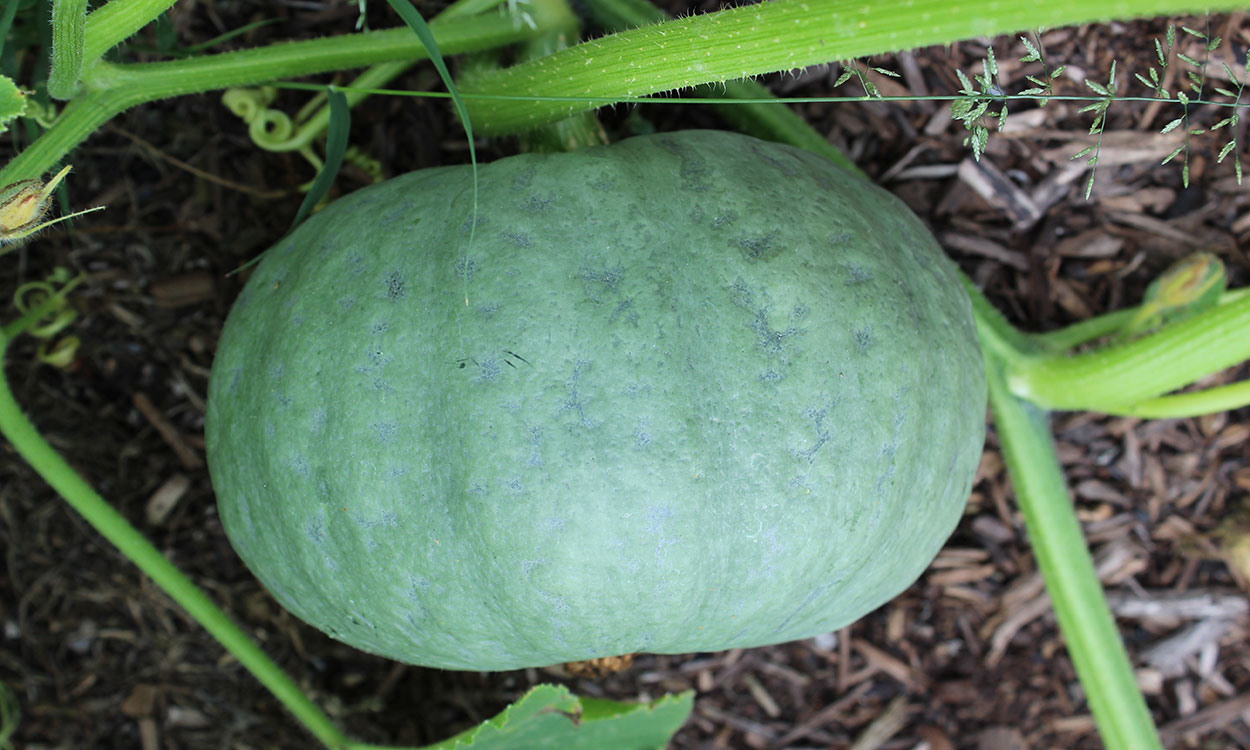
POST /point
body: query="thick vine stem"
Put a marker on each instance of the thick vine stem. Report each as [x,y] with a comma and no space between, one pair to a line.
[1116,377]
[68,27]
[762,38]
[115,22]
[110,89]
[754,110]
[1192,404]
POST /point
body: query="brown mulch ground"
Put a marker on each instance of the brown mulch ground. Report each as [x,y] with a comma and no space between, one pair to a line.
[969,657]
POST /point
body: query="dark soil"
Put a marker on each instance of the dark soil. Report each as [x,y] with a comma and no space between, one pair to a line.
[968,657]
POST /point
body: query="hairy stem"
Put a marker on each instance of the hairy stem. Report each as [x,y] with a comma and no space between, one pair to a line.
[68,24]
[762,38]
[753,112]
[1195,404]
[116,21]
[111,88]
[1115,377]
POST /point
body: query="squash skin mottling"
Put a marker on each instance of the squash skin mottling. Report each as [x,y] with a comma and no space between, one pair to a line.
[689,392]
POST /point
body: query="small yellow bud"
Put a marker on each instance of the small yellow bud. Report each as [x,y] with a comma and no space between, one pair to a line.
[24,203]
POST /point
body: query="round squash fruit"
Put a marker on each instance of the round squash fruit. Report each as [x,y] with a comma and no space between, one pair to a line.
[684,393]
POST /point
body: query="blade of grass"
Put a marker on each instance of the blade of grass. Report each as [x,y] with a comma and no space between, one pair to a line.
[336,146]
[10,715]
[6,20]
[415,22]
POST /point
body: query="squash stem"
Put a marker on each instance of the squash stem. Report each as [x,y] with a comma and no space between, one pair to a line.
[109,88]
[1194,404]
[1112,379]
[762,38]
[1089,631]
[754,110]
[116,529]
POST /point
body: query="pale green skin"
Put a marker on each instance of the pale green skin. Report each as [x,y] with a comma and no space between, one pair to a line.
[707,392]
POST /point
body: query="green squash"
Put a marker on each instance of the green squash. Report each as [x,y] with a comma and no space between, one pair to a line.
[688,392]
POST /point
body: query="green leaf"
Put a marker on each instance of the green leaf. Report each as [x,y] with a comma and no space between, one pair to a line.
[1033,55]
[1172,155]
[1171,125]
[885,72]
[1186,58]
[1098,88]
[12,102]
[965,84]
[1163,59]
[549,716]
[1228,147]
[1082,152]
[1193,32]
[1143,80]
[1057,71]
[980,137]
[1189,286]
[846,76]
[1171,35]
[1225,92]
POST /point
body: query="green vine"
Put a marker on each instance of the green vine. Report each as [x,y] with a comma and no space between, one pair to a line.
[46,312]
